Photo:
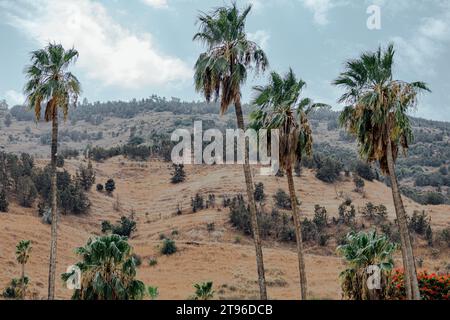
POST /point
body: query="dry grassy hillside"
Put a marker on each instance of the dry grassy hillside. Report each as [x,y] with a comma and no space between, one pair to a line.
[223,256]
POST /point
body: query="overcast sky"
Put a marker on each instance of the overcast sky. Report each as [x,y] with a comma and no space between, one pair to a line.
[134,48]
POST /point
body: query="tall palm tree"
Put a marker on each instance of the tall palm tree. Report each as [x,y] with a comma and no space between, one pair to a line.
[108,271]
[219,73]
[51,84]
[280,107]
[23,250]
[377,115]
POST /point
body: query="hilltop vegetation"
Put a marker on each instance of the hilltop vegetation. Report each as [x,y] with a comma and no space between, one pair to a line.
[423,178]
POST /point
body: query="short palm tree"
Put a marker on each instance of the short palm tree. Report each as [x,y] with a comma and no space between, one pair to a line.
[23,250]
[203,291]
[108,271]
[51,84]
[377,115]
[362,250]
[220,72]
[280,107]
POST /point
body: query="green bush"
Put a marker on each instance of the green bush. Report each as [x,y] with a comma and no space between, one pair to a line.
[3,201]
[365,171]
[259,192]
[197,203]
[282,200]
[178,174]
[110,186]
[168,247]
[419,222]
[328,170]
[347,212]
[152,262]
[320,217]
[372,212]
[26,191]
[124,227]
[14,290]
[203,291]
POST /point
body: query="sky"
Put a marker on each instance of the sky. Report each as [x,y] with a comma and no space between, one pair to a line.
[136,48]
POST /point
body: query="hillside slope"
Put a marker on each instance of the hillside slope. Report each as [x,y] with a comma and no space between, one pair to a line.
[223,256]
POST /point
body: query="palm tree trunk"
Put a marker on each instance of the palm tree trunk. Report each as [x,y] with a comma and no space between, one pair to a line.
[411,283]
[252,205]
[54,232]
[298,235]
[23,281]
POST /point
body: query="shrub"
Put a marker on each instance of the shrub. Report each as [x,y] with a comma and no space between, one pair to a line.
[359,184]
[211,202]
[86,176]
[110,186]
[197,203]
[239,214]
[124,227]
[59,161]
[168,247]
[419,222]
[178,174]
[26,191]
[14,290]
[152,262]
[99,187]
[365,171]
[71,196]
[429,236]
[431,286]
[153,292]
[137,259]
[3,201]
[259,192]
[372,212]
[106,226]
[320,217]
[444,236]
[203,291]
[323,239]
[73,199]
[309,231]
[210,227]
[347,212]
[282,200]
[434,198]
[328,170]
[391,231]
[8,120]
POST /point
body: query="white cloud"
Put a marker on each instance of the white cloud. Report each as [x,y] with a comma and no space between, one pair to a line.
[109,52]
[14,98]
[428,42]
[261,37]
[320,9]
[156,3]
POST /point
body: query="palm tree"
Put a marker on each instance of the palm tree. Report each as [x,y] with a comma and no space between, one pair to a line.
[50,83]
[377,115]
[280,107]
[219,73]
[23,250]
[108,271]
[362,250]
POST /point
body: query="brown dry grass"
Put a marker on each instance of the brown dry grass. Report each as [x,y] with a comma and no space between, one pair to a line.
[213,256]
